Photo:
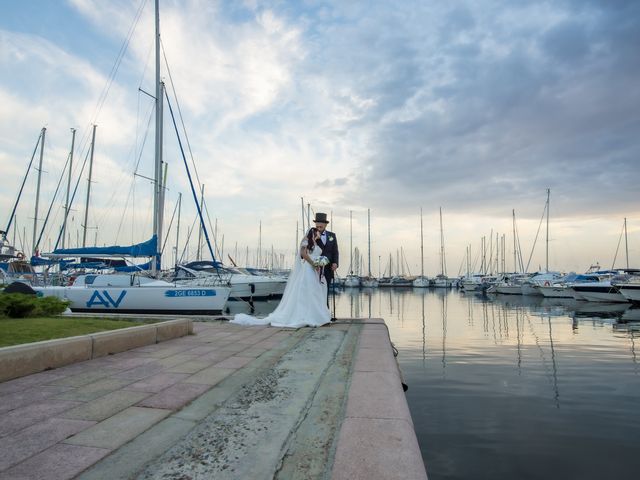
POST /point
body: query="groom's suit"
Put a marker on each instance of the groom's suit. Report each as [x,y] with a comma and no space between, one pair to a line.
[330,250]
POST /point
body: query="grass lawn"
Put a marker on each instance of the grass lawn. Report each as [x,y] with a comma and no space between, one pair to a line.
[14,331]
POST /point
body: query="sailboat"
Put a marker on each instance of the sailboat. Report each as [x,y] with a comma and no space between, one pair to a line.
[421,281]
[133,293]
[441,279]
[351,280]
[531,285]
[369,281]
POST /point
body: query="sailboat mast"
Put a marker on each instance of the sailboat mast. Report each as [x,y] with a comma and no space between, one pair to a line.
[369,238]
[626,243]
[178,225]
[421,246]
[67,207]
[86,205]
[547,254]
[515,267]
[497,252]
[35,215]
[441,245]
[157,207]
[351,241]
[260,245]
[199,251]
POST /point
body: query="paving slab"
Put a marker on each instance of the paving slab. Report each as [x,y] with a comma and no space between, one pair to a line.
[377,395]
[377,449]
[23,417]
[94,390]
[132,459]
[236,361]
[21,398]
[375,360]
[89,376]
[158,382]
[19,384]
[36,438]
[210,375]
[141,371]
[191,366]
[119,429]
[59,462]
[175,396]
[174,360]
[106,406]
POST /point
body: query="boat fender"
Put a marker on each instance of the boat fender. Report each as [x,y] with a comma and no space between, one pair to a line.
[253,288]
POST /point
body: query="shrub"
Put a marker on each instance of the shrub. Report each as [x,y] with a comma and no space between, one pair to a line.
[18,305]
[50,306]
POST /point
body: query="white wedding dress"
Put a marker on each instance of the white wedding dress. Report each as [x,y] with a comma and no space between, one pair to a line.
[304,301]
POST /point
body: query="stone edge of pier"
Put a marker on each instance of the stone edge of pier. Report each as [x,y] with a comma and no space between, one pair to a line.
[377,439]
[20,360]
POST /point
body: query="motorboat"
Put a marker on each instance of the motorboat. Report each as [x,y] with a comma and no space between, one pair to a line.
[630,289]
[602,291]
[531,285]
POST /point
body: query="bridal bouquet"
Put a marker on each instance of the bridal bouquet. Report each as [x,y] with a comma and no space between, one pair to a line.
[321,261]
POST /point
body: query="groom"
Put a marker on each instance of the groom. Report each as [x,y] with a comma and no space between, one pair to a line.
[329,245]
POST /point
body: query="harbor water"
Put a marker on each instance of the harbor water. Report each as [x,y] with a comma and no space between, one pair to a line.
[512,387]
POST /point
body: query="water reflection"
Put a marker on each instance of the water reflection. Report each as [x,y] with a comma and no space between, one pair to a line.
[502,384]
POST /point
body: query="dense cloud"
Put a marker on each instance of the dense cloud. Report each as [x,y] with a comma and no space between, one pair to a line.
[486,105]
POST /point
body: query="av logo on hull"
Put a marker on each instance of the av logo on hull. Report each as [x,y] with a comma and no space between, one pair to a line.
[103,299]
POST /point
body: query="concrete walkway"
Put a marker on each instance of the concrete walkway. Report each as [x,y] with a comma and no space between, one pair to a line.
[228,402]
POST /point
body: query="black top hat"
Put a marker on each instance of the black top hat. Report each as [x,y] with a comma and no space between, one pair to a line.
[321,218]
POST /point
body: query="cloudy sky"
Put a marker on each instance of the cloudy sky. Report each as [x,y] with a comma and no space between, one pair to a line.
[476,107]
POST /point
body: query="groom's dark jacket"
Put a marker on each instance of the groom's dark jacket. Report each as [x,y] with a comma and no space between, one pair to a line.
[330,250]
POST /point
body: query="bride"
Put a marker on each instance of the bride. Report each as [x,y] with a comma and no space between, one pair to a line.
[304,301]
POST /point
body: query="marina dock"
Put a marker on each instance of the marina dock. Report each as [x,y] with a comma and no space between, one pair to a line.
[226,402]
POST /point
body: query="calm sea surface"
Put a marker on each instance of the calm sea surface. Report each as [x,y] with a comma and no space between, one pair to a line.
[513,387]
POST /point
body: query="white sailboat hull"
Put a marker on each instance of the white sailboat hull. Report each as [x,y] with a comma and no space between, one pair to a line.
[421,282]
[369,282]
[442,283]
[158,299]
[352,281]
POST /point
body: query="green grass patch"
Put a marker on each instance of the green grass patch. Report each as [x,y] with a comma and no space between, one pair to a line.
[15,331]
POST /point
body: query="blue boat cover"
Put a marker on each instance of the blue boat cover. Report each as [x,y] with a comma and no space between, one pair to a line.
[144,249]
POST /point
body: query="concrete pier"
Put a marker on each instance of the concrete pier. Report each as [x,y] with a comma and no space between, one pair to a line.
[227,402]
